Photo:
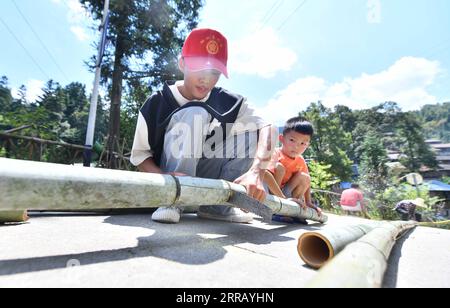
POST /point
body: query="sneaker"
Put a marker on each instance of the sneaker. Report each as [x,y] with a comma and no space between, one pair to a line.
[168,215]
[225,213]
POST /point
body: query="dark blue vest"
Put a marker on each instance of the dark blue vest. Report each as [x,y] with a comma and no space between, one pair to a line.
[161,106]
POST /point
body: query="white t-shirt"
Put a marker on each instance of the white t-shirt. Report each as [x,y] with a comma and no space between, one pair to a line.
[247,121]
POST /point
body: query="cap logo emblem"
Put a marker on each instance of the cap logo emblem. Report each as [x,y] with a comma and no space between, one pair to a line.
[212,47]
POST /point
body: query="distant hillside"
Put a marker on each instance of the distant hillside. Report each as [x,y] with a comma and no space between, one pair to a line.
[436,119]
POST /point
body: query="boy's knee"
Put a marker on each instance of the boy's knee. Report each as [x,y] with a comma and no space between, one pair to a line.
[280,168]
[191,122]
[303,178]
[306,179]
[191,115]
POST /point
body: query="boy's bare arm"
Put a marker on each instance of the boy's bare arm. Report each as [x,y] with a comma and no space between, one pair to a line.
[253,179]
[149,166]
[266,147]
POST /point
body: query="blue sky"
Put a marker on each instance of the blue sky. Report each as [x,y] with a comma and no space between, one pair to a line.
[284,54]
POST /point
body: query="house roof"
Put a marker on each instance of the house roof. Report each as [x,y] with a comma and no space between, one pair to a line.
[441,146]
[438,186]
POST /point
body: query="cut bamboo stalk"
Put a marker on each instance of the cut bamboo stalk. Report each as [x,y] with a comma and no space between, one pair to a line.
[43,186]
[318,247]
[13,216]
[362,264]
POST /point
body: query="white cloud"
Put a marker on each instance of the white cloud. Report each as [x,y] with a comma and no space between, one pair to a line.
[261,53]
[406,82]
[77,14]
[34,90]
[80,33]
[78,18]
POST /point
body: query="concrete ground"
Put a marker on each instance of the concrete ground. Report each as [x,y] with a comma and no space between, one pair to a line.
[133,251]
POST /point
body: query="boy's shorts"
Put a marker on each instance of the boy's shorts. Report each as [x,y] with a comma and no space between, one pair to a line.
[287,190]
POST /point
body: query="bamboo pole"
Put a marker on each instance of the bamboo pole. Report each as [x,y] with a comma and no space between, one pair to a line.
[43,186]
[318,247]
[362,264]
[437,224]
[13,216]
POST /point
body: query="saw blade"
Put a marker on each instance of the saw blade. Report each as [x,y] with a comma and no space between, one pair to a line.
[247,203]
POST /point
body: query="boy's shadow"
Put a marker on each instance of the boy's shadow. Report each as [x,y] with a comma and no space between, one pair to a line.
[193,241]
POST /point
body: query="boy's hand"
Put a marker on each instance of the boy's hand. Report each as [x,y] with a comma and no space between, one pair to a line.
[317,209]
[299,202]
[253,182]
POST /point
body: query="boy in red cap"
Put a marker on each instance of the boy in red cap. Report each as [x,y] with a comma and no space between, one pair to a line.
[194,128]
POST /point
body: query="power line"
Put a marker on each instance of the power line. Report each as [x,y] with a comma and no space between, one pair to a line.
[66,4]
[435,47]
[24,48]
[293,13]
[438,49]
[271,12]
[40,40]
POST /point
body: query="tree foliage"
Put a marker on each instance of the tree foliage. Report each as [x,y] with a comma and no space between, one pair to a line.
[59,114]
[146,39]
[330,143]
[435,120]
[373,163]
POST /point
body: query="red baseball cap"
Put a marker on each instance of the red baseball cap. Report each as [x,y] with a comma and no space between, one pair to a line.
[206,49]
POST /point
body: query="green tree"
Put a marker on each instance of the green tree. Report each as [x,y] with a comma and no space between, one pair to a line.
[22,100]
[330,143]
[347,118]
[146,38]
[413,143]
[373,165]
[322,182]
[59,114]
[436,121]
[381,119]
[5,96]
[53,100]
[76,101]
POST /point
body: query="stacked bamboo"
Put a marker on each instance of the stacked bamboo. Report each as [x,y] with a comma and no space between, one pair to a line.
[363,263]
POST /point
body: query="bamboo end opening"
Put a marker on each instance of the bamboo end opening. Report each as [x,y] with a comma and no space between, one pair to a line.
[315,250]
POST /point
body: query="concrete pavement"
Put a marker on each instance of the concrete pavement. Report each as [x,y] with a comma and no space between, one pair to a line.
[133,251]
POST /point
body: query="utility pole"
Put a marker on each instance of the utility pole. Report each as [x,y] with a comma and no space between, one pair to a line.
[94,99]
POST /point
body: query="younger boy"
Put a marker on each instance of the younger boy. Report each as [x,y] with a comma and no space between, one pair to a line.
[288,175]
